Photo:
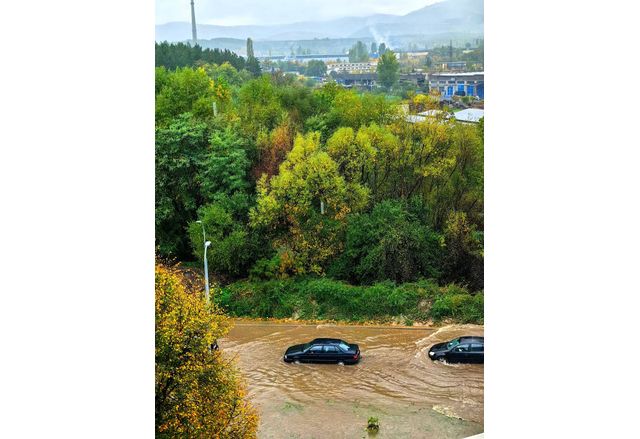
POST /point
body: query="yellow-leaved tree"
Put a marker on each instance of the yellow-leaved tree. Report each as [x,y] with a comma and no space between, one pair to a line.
[198,392]
[304,207]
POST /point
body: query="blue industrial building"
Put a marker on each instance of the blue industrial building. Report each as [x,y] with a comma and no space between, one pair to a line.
[458,84]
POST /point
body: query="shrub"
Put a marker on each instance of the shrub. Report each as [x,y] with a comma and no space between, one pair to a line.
[373,425]
[322,298]
[461,307]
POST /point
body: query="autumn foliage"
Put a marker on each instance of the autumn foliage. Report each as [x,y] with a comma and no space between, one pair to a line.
[273,149]
[199,393]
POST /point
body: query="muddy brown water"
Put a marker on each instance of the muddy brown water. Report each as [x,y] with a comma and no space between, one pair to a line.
[411,396]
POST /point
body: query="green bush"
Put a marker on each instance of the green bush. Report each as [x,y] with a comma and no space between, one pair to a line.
[373,425]
[322,298]
[459,306]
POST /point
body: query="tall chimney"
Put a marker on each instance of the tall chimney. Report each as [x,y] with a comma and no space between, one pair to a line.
[194,36]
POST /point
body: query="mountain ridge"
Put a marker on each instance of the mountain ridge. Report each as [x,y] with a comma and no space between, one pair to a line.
[462,16]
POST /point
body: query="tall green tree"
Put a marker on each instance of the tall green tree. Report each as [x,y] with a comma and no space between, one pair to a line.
[252,64]
[187,90]
[316,68]
[250,48]
[464,259]
[353,153]
[225,167]
[180,151]
[354,110]
[259,107]
[388,67]
[226,73]
[358,53]
[389,243]
[253,67]
[234,246]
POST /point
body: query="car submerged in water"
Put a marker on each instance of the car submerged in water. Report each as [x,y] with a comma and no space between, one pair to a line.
[459,350]
[323,350]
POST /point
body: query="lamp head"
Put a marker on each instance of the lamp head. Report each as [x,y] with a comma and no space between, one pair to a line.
[207,244]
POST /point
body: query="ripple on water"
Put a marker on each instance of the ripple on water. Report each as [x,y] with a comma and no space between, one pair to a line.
[394,371]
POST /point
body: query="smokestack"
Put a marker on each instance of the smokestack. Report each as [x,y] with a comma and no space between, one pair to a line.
[194,35]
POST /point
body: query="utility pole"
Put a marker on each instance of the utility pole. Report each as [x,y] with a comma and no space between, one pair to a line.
[194,35]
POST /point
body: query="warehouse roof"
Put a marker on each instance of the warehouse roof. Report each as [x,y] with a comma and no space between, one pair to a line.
[457,74]
[469,115]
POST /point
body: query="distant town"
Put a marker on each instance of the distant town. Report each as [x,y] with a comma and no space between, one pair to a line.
[451,78]
[455,75]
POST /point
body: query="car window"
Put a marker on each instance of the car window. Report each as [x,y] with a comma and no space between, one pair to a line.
[475,347]
[453,343]
[316,349]
[461,348]
[344,346]
[331,349]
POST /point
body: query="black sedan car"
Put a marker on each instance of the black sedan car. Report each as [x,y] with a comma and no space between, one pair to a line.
[459,350]
[324,350]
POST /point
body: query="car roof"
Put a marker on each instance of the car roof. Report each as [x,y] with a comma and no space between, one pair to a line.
[327,340]
[471,338]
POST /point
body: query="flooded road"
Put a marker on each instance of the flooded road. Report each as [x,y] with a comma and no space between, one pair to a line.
[411,396]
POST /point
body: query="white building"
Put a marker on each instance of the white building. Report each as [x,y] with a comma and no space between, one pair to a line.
[353,67]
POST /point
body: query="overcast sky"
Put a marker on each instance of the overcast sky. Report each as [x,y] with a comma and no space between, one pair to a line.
[236,12]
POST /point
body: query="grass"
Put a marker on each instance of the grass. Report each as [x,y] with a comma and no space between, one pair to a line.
[327,299]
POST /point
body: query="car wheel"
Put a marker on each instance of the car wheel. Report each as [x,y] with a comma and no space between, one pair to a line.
[340,363]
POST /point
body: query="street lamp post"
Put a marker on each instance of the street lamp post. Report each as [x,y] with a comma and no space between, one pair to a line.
[206,266]
[206,271]
[214,345]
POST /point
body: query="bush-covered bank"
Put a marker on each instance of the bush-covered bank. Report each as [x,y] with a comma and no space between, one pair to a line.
[313,298]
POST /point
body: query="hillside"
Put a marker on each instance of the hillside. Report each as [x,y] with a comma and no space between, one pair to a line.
[451,16]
